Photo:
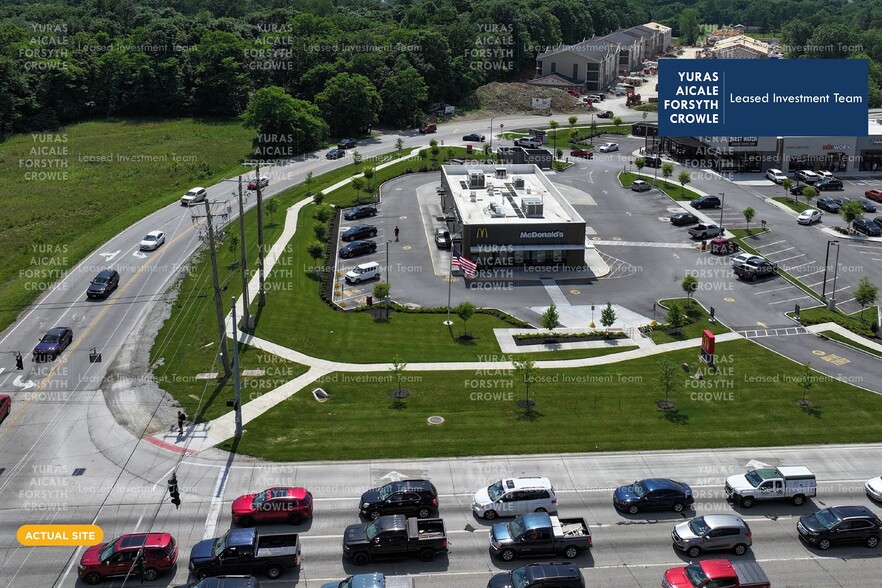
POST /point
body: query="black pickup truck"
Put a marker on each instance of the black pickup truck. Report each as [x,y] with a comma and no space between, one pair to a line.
[394,536]
[539,533]
[243,551]
[754,269]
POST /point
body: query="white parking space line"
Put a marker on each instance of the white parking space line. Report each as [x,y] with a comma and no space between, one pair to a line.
[809,274]
[767,255]
[789,258]
[874,247]
[791,299]
[769,244]
[774,290]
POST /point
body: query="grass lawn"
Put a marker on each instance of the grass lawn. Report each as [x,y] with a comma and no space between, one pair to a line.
[791,203]
[108,175]
[850,342]
[698,317]
[852,322]
[755,386]
[673,190]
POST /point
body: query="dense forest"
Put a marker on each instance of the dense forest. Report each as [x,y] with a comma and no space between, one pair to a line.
[338,65]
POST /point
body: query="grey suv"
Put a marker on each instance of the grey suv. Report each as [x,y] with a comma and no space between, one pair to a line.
[712,533]
[540,575]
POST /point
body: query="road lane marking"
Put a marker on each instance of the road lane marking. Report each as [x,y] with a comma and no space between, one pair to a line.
[769,244]
[774,290]
[216,502]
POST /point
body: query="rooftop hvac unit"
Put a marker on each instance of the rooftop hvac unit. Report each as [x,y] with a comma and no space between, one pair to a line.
[496,210]
[472,196]
[501,173]
[519,182]
[476,179]
[532,206]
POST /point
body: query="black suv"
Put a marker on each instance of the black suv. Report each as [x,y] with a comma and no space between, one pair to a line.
[347,144]
[840,524]
[684,218]
[867,227]
[103,284]
[652,161]
[540,575]
[361,211]
[358,232]
[706,202]
[408,497]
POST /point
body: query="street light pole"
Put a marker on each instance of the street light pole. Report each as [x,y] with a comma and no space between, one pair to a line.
[832,303]
[826,267]
[722,204]
[491,137]
[388,277]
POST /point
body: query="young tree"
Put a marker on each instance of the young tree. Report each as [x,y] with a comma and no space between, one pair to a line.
[593,128]
[607,316]
[617,121]
[369,177]
[787,183]
[640,162]
[806,379]
[232,242]
[315,250]
[356,160]
[866,294]
[381,292]
[358,185]
[550,317]
[667,170]
[399,144]
[465,311]
[748,213]
[397,370]
[683,178]
[572,120]
[271,206]
[321,231]
[689,285]
[667,374]
[307,183]
[553,126]
[851,210]
[525,371]
[676,317]
[808,193]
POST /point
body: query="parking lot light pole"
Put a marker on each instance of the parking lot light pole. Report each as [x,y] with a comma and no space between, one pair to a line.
[826,266]
[832,304]
[722,204]
[491,137]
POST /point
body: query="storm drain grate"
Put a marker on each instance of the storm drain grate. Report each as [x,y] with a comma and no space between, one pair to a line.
[79,472]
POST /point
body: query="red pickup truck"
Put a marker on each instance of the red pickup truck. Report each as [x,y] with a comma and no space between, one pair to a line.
[717,572]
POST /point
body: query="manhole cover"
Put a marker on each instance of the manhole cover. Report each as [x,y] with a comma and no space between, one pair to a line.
[435,420]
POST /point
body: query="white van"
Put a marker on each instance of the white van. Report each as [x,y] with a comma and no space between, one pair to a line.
[515,496]
[621,90]
[363,272]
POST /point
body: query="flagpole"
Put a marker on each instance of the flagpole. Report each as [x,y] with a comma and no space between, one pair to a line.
[449,322]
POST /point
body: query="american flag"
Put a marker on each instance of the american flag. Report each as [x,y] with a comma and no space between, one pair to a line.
[467,266]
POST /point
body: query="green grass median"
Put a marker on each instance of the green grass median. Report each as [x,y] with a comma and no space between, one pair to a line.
[755,386]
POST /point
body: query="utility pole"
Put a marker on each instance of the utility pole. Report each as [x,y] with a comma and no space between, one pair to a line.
[237,386]
[246,314]
[218,303]
[261,293]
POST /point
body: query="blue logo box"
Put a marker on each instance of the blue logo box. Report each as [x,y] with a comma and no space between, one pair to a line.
[762,97]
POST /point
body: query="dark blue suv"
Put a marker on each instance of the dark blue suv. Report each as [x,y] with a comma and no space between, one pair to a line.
[653,494]
[540,575]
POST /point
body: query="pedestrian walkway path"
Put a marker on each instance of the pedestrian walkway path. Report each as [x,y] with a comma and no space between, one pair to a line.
[779,332]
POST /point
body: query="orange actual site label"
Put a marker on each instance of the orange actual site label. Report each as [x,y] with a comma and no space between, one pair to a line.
[59,535]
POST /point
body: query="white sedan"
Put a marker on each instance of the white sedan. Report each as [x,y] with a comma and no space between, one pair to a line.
[152,240]
[809,217]
[607,147]
[776,175]
[874,488]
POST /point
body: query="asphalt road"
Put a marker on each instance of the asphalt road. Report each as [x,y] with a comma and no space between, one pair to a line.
[628,550]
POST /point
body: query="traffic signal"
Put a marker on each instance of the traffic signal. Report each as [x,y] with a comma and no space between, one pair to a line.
[173,490]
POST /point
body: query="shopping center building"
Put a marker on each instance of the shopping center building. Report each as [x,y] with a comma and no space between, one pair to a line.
[511,216]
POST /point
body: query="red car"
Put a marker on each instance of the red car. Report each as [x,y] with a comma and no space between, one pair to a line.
[874,195]
[114,559]
[5,404]
[582,153]
[262,182]
[272,506]
[429,128]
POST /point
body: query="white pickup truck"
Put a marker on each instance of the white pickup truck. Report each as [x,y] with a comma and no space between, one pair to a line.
[795,483]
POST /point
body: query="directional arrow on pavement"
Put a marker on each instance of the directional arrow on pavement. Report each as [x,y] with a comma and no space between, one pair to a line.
[21,384]
[139,255]
[393,477]
[109,256]
[763,325]
[756,464]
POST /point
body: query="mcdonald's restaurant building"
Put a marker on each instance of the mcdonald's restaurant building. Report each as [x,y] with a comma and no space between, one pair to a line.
[511,215]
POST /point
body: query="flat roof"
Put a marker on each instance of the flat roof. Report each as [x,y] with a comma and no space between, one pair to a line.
[509,203]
